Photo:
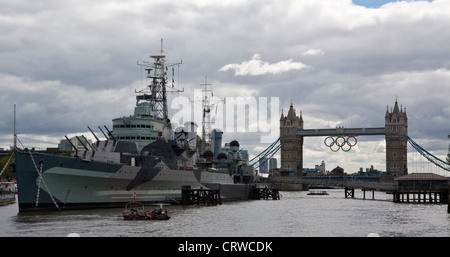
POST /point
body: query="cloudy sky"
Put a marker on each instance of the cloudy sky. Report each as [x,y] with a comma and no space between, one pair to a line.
[71,64]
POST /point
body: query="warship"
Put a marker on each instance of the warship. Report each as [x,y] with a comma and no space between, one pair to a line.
[141,157]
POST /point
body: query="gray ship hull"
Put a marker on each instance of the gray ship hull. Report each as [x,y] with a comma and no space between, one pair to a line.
[71,182]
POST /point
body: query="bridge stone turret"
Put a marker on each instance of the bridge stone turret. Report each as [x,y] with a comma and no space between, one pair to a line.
[396,144]
[291,145]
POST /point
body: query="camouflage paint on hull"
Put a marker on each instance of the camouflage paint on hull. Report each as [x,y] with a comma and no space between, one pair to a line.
[76,183]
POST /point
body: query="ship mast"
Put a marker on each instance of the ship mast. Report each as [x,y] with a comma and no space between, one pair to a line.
[206,122]
[207,106]
[157,72]
[15,135]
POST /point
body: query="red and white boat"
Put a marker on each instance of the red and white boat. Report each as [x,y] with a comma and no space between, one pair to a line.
[134,211]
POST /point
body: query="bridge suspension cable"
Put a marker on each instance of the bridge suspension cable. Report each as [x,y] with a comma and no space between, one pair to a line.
[267,157]
[430,157]
[267,153]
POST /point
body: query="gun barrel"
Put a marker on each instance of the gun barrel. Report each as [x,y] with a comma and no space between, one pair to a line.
[74,148]
[93,134]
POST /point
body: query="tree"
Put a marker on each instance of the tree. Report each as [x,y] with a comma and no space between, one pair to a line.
[8,173]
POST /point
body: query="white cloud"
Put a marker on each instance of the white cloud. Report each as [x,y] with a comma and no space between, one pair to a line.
[314,52]
[256,67]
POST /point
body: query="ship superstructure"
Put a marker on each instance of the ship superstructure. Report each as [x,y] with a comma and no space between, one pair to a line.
[141,157]
[150,119]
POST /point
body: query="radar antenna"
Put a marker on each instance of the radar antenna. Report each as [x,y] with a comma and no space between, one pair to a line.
[157,73]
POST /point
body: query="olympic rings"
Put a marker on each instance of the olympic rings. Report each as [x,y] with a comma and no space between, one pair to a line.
[344,144]
[356,141]
[325,141]
[340,143]
[336,149]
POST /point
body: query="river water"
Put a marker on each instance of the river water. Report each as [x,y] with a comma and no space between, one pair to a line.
[296,214]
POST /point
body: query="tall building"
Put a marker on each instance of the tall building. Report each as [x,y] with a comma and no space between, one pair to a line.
[396,143]
[291,145]
[272,163]
[263,165]
[321,168]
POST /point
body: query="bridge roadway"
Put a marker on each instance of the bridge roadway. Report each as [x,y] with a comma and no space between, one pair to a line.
[340,131]
[336,181]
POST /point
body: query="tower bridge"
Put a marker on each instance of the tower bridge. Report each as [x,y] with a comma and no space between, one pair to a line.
[395,129]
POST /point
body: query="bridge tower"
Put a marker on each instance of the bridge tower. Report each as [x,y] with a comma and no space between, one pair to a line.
[291,145]
[396,144]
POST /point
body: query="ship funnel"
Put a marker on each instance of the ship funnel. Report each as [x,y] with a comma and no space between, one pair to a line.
[191,126]
[216,142]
